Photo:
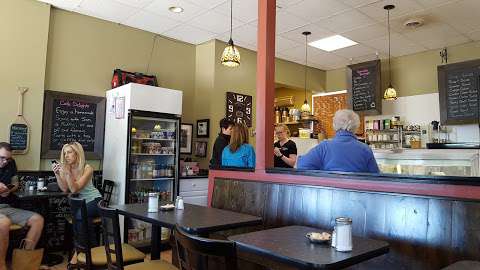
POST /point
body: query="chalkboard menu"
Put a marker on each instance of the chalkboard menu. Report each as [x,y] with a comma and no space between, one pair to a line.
[71,117]
[458,89]
[363,82]
[19,137]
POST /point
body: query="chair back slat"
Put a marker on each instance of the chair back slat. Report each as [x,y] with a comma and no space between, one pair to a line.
[81,239]
[196,253]
[107,190]
[111,237]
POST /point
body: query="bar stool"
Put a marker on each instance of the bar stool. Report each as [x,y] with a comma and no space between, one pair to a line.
[88,257]
[116,250]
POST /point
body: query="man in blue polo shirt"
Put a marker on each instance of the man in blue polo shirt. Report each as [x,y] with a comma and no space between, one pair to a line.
[344,152]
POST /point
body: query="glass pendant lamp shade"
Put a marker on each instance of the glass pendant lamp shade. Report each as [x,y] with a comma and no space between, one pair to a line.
[231,55]
[390,92]
[305,107]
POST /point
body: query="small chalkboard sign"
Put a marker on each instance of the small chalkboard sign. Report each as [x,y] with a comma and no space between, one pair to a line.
[363,81]
[71,117]
[458,87]
[19,137]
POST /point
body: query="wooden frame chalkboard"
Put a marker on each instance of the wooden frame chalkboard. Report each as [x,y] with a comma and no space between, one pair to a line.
[373,67]
[445,84]
[81,104]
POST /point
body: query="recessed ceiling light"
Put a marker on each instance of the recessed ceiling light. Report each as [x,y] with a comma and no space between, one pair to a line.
[176,9]
[332,43]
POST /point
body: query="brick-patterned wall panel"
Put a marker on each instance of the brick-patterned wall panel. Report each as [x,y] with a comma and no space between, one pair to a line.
[324,110]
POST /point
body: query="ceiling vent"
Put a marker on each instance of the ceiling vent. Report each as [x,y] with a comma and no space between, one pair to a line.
[413,23]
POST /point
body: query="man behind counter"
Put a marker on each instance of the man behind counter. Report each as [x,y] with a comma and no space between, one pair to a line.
[10,215]
[221,142]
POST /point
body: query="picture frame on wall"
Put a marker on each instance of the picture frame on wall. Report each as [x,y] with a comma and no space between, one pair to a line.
[200,149]
[186,136]
[203,128]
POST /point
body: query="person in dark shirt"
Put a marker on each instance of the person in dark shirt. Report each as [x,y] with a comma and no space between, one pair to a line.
[221,142]
[285,150]
[10,215]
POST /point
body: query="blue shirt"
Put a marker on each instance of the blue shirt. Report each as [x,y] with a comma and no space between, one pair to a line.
[244,157]
[343,153]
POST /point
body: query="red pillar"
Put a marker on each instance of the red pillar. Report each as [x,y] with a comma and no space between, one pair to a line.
[265,83]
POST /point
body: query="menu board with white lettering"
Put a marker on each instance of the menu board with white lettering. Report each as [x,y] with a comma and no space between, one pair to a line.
[458,89]
[73,118]
[18,137]
[363,82]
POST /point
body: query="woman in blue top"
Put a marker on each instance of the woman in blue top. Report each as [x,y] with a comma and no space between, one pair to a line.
[344,152]
[239,153]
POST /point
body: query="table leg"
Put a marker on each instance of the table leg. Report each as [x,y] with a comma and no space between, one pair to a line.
[156,240]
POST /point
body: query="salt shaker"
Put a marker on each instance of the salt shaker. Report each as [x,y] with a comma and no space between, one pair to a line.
[179,205]
[152,202]
[40,184]
[343,234]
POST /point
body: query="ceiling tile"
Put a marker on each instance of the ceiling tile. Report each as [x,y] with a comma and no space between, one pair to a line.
[295,54]
[474,35]
[317,33]
[366,33]
[399,46]
[136,3]
[286,22]
[64,4]
[286,3]
[462,15]
[345,21]
[437,31]
[434,3]
[214,22]
[208,4]
[244,10]
[358,3]
[106,9]
[282,44]
[245,33]
[151,22]
[160,7]
[190,34]
[438,42]
[355,51]
[402,7]
[313,10]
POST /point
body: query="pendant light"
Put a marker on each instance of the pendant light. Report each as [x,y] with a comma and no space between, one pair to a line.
[305,107]
[390,92]
[231,55]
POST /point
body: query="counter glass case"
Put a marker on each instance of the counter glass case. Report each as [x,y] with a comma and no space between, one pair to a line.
[449,162]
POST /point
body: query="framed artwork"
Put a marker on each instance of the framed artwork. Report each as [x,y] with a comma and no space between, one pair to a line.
[201,149]
[186,132]
[203,128]
[239,108]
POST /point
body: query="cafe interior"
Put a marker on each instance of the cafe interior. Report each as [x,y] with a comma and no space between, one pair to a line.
[121,117]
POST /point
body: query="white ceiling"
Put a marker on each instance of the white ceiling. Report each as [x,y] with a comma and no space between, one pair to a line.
[447,23]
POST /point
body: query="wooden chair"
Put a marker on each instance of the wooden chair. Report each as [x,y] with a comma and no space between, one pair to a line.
[195,253]
[114,247]
[89,257]
[107,190]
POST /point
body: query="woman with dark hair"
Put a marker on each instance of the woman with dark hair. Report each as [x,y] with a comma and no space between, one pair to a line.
[239,153]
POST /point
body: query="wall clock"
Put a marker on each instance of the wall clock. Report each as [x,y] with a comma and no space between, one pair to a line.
[239,108]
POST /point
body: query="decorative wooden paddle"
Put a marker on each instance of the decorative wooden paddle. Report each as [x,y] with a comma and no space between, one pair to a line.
[19,135]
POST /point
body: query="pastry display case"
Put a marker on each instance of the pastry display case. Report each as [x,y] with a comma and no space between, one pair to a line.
[436,162]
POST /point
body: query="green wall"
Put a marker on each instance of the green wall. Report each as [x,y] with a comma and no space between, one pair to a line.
[414,74]
[23,50]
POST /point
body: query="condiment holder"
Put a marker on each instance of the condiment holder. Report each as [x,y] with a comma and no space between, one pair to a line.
[342,234]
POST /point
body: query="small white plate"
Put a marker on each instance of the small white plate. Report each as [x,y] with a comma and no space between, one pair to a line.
[319,240]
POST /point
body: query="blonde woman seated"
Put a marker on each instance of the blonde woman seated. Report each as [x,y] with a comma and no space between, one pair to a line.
[285,150]
[239,153]
[74,176]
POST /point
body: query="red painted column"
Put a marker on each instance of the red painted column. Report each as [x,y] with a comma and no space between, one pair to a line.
[265,84]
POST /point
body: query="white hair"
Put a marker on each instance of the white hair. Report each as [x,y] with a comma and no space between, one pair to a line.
[346,120]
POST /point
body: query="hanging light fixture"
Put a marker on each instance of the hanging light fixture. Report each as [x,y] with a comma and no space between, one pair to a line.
[390,92]
[305,107]
[231,55]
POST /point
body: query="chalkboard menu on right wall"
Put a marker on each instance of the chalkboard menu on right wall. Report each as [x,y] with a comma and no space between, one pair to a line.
[458,92]
[364,84]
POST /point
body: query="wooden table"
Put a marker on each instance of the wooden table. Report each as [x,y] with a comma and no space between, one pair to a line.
[288,248]
[195,219]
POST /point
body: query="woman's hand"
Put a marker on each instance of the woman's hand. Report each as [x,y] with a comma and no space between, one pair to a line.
[277,152]
[56,168]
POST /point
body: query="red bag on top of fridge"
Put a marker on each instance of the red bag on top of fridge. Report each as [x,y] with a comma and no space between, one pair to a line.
[122,77]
